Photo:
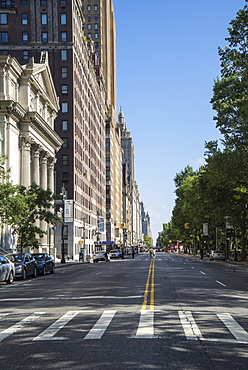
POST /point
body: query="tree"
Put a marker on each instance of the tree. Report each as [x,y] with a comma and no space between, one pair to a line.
[21,207]
[230,92]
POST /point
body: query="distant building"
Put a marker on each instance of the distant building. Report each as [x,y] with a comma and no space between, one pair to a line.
[146,226]
[28,108]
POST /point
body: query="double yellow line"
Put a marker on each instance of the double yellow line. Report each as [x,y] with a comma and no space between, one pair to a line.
[149,290]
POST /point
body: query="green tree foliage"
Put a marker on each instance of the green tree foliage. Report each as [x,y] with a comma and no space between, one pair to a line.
[21,207]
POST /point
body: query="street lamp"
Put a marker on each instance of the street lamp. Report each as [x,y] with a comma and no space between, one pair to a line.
[63,196]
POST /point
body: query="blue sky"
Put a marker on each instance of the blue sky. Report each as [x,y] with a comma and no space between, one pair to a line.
[167,60]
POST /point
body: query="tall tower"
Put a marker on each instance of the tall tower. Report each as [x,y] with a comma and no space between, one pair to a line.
[99,26]
[26,28]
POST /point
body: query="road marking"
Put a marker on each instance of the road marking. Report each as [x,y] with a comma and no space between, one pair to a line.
[101,325]
[237,331]
[219,282]
[69,298]
[146,325]
[191,330]
[192,267]
[19,325]
[203,273]
[49,333]
[99,273]
[149,284]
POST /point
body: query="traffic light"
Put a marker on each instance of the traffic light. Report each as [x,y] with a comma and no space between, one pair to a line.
[186,225]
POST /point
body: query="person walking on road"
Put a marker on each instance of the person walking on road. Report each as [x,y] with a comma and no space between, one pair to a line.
[201,253]
[133,252]
[152,254]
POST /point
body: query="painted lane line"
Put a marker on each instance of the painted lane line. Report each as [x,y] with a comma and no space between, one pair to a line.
[191,330]
[219,282]
[70,298]
[19,325]
[101,325]
[237,331]
[49,333]
[203,273]
[146,325]
[192,267]
[99,273]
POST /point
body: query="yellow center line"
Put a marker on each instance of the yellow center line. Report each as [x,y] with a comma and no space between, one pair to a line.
[149,282]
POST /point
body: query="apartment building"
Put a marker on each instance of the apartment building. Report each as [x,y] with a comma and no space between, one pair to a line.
[99,26]
[28,27]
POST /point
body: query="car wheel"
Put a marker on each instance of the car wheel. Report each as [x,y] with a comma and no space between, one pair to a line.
[35,273]
[43,272]
[52,270]
[24,274]
[10,278]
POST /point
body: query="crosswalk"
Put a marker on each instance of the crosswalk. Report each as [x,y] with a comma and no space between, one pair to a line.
[201,326]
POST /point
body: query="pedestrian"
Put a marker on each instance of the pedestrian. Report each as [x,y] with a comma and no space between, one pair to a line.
[152,254]
[133,252]
[201,253]
[122,253]
[106,256]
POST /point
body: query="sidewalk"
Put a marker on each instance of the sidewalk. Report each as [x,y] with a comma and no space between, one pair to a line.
[231,262]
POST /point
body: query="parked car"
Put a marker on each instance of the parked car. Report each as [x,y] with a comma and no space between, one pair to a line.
[115,253]
[217,255]
[25,264]
[45,263]
[99,256]
[7,270]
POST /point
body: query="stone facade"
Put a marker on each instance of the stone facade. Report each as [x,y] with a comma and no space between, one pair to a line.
[28,108]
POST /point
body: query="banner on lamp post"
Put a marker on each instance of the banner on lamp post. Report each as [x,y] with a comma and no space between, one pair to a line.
[205,229]
[68,210]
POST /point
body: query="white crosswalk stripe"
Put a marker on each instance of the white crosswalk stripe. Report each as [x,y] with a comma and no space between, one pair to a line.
[193,326]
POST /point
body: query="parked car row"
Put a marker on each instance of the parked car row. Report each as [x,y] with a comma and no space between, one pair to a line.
[25,264]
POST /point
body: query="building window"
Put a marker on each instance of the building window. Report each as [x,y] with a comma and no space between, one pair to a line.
[64,73]
[64,89]
[3,36]
[89,18]
[96,17]
[43,2]
[62,2]
[43,18]
[3,18]
[89,8]
[64,107]
[89,26]
[95,7]
[64,160]
[63,36]
[24,2]
[64,125]
[96,44]
[65,142]
[63,18]
[4,52]
[64,177]
[96,26]
[89,35]
[63,54]
[24,37]
[96,35]
[44,37]
[8,4]
[25,55]
[24,18]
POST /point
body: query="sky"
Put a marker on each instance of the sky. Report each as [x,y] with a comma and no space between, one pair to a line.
[167,61]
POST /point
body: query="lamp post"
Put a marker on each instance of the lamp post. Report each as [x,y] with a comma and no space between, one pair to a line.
[63,196]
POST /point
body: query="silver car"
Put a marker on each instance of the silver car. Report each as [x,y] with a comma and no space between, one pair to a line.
[217,255]
[7,270]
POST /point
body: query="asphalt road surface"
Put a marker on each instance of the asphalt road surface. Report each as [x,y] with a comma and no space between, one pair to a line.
[172,313]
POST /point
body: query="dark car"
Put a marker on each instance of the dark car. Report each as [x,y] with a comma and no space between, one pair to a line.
[7,270]
[45,263]
[25,264]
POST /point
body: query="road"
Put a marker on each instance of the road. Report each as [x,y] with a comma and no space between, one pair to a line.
[174,313]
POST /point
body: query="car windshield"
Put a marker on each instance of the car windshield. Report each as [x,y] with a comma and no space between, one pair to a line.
[218,252]
[114,251]
[39,257]
[15,257]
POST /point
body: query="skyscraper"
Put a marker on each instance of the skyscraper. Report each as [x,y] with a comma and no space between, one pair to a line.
[26,28]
